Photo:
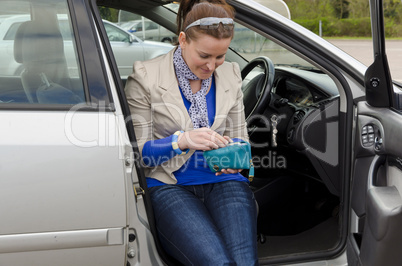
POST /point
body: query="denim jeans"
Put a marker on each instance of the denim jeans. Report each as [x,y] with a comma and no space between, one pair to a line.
[212,224]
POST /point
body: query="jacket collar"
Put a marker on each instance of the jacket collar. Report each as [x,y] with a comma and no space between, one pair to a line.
[173,99]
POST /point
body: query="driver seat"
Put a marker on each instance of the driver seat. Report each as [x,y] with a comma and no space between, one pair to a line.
[39,47]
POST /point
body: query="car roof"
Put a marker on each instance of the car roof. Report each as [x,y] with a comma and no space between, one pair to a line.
[279,6]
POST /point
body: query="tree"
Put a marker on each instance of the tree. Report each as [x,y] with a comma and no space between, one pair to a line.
[310,9]
[393,9]
[341,8]
[110,14]
[359,9]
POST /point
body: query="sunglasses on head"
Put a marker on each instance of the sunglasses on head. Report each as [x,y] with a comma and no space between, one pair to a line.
[212,23]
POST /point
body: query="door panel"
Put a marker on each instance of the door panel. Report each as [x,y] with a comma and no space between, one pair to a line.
[376,199]
[377,185]
[63,178]
[111,255]
[62,185]
[55,166]
[382,237]
[62,240]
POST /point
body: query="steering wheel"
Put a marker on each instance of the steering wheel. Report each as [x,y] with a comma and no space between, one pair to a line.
[256,92]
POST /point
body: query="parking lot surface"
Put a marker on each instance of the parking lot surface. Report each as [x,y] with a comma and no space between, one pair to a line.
[362,50]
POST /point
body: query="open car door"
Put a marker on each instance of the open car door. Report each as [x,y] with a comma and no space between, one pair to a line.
[376,227]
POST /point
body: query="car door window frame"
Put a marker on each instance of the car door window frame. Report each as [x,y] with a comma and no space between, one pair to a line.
[96,89]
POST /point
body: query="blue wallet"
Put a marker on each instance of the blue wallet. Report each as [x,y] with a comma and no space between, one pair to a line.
[236,155]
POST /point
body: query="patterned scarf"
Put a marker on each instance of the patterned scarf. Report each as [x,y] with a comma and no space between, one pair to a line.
[198,109]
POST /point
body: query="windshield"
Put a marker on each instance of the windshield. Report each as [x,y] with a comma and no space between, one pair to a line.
[250,44]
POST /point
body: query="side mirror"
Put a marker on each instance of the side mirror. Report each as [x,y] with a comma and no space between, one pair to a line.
[132,38]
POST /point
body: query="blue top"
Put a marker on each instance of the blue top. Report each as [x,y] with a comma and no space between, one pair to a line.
[195,171]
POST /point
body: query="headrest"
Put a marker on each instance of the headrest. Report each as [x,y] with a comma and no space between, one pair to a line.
[18,42]
[38,42]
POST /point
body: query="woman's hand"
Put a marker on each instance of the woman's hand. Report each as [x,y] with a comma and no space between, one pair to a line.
[202,139]
[229,171]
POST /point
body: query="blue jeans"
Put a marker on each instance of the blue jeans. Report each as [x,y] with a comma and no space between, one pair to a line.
[212,224]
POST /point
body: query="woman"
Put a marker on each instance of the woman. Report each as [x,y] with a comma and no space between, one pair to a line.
[182,104]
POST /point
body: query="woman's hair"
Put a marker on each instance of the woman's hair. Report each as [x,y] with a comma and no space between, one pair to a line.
[192,10]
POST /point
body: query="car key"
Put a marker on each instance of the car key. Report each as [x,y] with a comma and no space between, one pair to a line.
[274,122]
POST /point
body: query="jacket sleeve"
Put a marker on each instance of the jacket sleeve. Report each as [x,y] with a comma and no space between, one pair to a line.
[153,152]
[139,99]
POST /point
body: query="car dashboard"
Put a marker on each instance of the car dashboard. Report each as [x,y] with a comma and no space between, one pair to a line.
[307,105]
[303,88]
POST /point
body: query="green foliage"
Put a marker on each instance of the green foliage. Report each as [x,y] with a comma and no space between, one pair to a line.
[361,27]
[345,17]
[392,29]
[310,9]
[341,8]
[110,14]
[393,10]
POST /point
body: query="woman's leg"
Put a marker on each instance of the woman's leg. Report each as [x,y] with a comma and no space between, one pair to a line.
[233,208]
[185,227]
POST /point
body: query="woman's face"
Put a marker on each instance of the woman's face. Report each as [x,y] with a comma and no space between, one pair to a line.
[204,54]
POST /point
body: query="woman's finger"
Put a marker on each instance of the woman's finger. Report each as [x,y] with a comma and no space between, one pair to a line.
[229,171]
[228,139]
[218,139]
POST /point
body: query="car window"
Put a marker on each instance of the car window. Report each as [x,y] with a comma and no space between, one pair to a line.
[39,64]
[65,29]
[114,34]
[135,24]
[251,44]
[151,26]
[130,43]
[136,27]
[10,35]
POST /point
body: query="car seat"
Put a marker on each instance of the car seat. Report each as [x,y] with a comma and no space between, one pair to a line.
[39,47]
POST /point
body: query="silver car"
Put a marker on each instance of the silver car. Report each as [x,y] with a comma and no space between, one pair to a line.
[148,30]
[324,129]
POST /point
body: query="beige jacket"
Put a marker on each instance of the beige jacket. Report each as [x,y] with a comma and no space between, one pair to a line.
[157,107]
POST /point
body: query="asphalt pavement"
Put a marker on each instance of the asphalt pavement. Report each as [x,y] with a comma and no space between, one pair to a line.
[362,50]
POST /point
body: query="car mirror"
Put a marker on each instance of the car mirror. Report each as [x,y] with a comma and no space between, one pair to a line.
[132,38]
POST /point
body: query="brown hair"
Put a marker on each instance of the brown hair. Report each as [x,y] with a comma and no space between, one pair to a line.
[192,10]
